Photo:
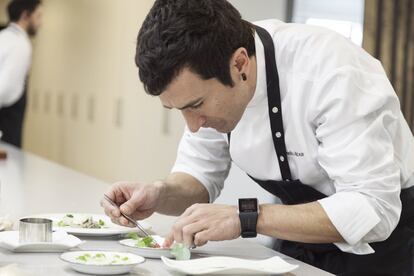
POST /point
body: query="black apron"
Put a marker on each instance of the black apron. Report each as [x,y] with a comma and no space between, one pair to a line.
[11,121]
[393,256]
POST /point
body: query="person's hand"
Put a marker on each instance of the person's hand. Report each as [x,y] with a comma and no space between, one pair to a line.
[201,223]
[136,200]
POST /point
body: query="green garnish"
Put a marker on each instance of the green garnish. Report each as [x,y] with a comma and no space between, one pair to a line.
[147,241]
[133,236]
[180,251]
[62,224]
[101,258]
[84,258]
[101,222]
[143,242]
[69,215]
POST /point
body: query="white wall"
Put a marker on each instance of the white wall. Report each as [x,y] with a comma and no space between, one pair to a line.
[350,10]
[3,13]
[87,108]
[261,9]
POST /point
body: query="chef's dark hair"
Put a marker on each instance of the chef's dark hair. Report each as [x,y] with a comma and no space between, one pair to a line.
[200,35]
[16,8]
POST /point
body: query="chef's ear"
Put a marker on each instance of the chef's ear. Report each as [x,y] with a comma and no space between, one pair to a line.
[240,62]
[25,16]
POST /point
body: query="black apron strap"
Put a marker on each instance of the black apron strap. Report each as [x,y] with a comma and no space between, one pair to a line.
[274,103]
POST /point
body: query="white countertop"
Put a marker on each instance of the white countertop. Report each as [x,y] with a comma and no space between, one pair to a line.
[32,185]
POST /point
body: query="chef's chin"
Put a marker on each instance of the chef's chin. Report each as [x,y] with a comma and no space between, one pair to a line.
[225,128]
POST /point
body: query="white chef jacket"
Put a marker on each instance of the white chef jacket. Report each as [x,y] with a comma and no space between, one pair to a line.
[344,131]
[15,58]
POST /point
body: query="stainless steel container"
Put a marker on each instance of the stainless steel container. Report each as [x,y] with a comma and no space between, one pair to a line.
[35,230]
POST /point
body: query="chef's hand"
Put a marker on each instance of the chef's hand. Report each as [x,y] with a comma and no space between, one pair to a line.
[201,223]
[136,200]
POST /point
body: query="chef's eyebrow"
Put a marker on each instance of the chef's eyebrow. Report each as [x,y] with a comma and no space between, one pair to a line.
[187,105]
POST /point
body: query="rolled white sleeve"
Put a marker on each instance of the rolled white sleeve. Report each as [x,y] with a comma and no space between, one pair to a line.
[205,156]
[15,55]
[355,119]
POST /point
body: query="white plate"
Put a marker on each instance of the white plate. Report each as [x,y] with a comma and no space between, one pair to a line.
[101,269]
[61,241]
[229,265]
[154,253]
[110,228]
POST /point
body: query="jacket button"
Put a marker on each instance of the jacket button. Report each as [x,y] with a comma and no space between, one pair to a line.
[278,134]
[275,109]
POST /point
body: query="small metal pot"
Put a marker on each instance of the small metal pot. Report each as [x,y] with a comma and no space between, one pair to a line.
[33,230]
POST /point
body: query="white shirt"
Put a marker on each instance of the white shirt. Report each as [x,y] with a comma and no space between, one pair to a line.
[15,58]
[344,132]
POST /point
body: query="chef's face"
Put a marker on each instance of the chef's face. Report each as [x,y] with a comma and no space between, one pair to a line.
[33,20]
[209,103]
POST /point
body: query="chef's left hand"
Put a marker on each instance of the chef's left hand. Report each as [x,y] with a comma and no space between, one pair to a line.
[201,223]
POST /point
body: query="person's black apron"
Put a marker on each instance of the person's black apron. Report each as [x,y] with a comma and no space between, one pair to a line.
[393,256]
[11,121]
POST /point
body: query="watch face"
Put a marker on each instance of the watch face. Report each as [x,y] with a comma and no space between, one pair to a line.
[248,205]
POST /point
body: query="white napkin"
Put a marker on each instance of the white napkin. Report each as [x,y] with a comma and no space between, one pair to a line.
[60,241]
[225,265]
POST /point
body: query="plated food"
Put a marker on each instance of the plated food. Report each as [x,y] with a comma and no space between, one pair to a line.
[144,242]
[103,259]
[84,224]
[5,223]
[88,222]
[150,247]
[102,262]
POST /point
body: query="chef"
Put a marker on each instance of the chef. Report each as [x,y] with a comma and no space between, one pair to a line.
[15,59]
[309,116]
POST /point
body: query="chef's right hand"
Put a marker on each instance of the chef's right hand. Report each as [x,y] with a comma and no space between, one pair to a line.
[136,200]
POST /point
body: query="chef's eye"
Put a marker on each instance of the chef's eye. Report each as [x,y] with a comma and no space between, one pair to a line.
[196,106]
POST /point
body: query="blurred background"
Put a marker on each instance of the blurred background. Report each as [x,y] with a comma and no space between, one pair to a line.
[87,109]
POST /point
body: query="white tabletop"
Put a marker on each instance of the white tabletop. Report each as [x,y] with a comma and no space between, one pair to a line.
[32,185]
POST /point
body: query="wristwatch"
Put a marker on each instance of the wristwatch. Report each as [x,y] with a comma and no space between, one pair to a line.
[248,214]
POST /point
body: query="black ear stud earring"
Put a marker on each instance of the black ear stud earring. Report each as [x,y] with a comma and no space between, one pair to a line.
[244,77]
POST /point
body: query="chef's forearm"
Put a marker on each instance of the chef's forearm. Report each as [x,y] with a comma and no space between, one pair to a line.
[178,192]
[303,223]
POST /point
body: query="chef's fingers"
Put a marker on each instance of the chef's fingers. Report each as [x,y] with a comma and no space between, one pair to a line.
[176,233]
[202,237]
[189,231]
[168,241]
[137,199]
[109,209]
[124,222]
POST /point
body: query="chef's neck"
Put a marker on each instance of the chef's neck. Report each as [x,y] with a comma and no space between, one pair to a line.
[23,24]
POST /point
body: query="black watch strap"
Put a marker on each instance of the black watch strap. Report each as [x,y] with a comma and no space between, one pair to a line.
[248,222]
[248,214]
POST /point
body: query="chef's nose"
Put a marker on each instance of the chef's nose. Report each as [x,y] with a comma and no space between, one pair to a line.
[194,121]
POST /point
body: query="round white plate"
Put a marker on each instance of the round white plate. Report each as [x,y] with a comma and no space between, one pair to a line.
[110,229]
[101,269]
[154,253]
[229,265]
